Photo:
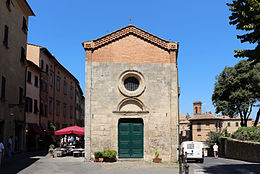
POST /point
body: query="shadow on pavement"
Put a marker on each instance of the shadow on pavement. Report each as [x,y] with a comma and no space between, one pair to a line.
[233,168]
[18,162]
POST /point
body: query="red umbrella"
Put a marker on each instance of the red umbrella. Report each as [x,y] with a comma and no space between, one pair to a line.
[70,130]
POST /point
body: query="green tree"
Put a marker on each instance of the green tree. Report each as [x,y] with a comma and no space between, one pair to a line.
[214,137]
[237,90]
[246,17]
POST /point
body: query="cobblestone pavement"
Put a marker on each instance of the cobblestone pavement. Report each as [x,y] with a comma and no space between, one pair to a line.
[43,164]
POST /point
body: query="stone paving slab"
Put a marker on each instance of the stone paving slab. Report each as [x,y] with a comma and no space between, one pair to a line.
[71,165]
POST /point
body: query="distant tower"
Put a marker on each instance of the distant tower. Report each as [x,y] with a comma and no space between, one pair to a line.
[197,108]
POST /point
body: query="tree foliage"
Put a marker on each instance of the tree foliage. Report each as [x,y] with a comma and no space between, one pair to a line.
[247,134]
[237,89]
[214,137]
[246,17]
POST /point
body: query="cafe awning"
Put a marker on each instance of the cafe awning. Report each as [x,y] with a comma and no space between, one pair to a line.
[35,128]
[75,130]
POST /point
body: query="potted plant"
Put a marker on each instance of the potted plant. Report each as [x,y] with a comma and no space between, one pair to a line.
[98,157]
[51,150]
[109,155]
[157,159]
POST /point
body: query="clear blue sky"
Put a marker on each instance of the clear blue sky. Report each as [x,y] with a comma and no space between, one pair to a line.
[201,27]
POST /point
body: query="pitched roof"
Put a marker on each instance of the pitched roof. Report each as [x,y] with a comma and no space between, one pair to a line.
[130,30]
[24,4]
[182,117]
[205,116]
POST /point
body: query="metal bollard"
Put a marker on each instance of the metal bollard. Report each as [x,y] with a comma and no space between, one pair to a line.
[186,166]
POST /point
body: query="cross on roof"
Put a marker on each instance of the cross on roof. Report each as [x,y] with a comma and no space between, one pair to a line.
[130,19]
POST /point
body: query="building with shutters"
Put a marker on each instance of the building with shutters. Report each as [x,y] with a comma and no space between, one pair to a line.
[60,92]
[14,15]
[131,95]
[32,116]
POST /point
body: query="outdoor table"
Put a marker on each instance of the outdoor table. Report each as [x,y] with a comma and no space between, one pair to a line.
[60,151]
[77,152]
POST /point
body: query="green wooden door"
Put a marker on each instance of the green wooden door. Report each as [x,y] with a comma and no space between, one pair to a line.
[130,138]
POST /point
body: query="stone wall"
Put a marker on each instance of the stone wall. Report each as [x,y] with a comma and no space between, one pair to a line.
[157,122]
[241,150]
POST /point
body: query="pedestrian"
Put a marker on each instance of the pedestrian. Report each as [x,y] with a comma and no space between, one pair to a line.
[2,148]
[10,146]
[215,149]
[65,141]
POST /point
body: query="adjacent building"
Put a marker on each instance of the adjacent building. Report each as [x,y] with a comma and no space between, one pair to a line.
[59,91]
[131,95]
[32,116]
[13,36]
[203,123]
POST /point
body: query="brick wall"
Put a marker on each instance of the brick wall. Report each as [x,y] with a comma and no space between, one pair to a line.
[241,150]
[131,50]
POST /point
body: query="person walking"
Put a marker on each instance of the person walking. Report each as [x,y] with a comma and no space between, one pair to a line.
[215,150]
[10,146]
[1,151]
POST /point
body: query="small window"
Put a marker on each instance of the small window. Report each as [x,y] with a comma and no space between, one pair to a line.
[28,104]
[64,109]
[42,64]
[47,69]
[58,84]
[237,124]
[71,92]
[190,146]
[51,79]
[25,29]
[50,106]
[5,41]
[65,88]
[131,83]
[3,88]
[41,108]
[8,4]
[35,106]
[228,124]
[199,127]
[23,55]
[20,95]
[29,76]
[41,84]
[57,108]
[36,81]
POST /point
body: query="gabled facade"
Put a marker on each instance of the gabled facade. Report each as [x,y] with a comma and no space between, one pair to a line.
[131,95]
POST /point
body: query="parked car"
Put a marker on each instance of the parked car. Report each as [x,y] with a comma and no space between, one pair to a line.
[194,150]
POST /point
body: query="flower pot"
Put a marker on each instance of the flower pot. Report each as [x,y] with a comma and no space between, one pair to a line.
[100,159]
[110,159]
[51,156]
[157,160]
[96,159]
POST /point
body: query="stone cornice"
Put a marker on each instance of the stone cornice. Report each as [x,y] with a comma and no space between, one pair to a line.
[130,30]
